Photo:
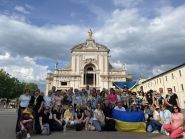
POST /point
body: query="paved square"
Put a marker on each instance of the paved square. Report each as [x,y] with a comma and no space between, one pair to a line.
[7,131]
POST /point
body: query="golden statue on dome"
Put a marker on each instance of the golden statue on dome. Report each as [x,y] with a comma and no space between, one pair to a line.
[90,34]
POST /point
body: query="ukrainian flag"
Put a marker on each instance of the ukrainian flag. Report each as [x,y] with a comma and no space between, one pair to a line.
[129,121]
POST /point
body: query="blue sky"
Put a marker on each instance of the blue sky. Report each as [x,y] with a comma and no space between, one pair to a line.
[147,35]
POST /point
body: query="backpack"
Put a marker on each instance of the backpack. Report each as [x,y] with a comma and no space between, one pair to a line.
[46,129]
[149,128]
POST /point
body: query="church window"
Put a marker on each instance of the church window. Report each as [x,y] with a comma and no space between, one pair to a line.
[64,83]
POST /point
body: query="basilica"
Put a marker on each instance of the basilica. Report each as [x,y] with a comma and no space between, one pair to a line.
[89,66]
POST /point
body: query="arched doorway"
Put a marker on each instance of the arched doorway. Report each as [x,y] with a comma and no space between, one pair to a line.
[89,75]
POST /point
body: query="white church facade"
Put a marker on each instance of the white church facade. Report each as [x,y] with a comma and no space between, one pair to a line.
[89,66]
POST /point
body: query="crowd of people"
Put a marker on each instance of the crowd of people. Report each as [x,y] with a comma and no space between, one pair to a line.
[91,110]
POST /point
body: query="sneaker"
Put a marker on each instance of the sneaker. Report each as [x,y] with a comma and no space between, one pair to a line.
[19,135]
[65,129]
[184,135]
[28,136]
[166,133]
[155,132]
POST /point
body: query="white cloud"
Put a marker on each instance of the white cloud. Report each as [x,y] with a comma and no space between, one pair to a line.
[21,9]
[19,37]
[29,6]
[23,68]
[144,44]
[4,57]
[127,3]
[160,69]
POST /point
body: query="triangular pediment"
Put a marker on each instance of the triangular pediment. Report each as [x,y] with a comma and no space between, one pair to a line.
[90,45]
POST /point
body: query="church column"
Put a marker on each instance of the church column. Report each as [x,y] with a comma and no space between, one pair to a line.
[84,78]
[94,81]
[106,64]
[97,79]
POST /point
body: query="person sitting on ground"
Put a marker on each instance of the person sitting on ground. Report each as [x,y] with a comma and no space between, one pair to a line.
[58,122]
[133,107]
[26,123]
[88,113]
[68,117]
[109,121]
[175,128]
[154,120]
[165,116]
[45,121]
[79,118]
[99,118]
[147,111]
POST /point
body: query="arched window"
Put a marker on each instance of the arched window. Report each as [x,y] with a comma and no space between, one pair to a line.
[89,69]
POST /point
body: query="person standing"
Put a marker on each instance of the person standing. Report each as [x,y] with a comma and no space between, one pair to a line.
[49,100]
[37,103]
[171,100]
[23,103]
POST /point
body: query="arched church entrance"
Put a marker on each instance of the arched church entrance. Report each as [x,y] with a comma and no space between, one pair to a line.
[90,75]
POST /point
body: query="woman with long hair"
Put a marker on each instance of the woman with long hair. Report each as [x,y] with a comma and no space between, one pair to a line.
[175,128]
[99,118]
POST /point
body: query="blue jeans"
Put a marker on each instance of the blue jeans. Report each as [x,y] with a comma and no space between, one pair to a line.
[97,125]
[155,125]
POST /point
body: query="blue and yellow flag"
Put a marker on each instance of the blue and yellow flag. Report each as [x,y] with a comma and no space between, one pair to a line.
[129,121]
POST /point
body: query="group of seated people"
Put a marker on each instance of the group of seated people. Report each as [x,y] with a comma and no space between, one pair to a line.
[91,110]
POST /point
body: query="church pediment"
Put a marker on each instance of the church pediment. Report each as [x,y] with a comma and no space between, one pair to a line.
[90,45]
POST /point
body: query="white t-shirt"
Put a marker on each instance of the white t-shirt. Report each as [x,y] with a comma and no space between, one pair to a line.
[119,109]
[24,100]
[98,112]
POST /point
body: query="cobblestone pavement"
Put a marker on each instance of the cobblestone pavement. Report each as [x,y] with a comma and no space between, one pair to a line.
[7,131]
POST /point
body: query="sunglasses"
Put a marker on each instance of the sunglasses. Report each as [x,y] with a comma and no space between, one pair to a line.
[175,108]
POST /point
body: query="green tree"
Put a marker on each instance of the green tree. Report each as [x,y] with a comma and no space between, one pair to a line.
[10,87]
